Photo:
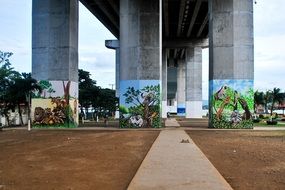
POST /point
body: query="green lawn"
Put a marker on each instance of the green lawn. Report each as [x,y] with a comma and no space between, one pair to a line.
[264,124]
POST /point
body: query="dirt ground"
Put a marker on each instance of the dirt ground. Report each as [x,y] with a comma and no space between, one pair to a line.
[57,159]
[248,160]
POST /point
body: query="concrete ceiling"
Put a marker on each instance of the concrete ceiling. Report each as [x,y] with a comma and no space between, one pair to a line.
[185,22]
[107,11]
[182,19]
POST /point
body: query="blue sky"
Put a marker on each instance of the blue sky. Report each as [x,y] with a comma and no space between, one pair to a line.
[269,34]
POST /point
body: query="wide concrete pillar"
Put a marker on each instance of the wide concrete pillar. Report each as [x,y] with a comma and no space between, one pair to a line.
[55,62]
[164,107]
[194,82]
[231,69]
[140,63]
[181,87]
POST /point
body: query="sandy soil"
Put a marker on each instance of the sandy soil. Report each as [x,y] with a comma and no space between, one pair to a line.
[247,159]
[55,159]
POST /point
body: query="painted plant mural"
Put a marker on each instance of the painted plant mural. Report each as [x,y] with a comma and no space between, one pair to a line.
[56,106]
[139,103]
[231,103]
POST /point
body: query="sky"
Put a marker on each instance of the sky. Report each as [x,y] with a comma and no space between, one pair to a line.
[269,40]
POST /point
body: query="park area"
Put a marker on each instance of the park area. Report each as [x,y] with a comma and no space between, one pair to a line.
[108,159]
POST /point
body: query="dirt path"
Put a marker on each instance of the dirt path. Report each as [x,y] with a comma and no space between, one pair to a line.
[247,159]
[71,159]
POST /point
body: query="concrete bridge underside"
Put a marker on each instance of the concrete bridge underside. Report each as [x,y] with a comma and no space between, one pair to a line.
[156,36]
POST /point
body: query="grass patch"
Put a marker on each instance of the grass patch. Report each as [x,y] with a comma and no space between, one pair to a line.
[264,124]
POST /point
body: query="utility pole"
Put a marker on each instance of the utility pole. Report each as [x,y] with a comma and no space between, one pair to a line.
[112,86]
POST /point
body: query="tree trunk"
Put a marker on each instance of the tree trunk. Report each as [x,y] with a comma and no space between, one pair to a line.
[266,108]
[7,118]
[271,109]
[20,114]
[66,89]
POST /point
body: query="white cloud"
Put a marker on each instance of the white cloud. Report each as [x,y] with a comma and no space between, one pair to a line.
[94,57]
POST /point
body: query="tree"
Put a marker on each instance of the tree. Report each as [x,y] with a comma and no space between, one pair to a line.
[88,91]
[107,101]
[258,99]
[276,97]
[267,100]
[7,78]
[103,101]
[19,92]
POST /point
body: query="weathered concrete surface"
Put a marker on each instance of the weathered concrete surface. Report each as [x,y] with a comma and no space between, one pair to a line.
[194,82]
[181,68]
[164,84]
[171,164]
[55,40]
[231,39]
[139,40]
[171,122]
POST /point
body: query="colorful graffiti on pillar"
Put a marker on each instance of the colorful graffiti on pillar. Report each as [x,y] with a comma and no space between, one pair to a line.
[231,103]
[140,103]
[56,105]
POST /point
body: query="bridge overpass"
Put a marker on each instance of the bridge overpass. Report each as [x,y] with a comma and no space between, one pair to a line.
[156,36]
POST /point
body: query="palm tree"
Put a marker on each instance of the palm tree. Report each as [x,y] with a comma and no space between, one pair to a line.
[267,100]
[258,99]
[276,97]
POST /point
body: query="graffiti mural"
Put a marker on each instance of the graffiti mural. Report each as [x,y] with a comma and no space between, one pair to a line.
[231,103]
[56,105]
[140,103]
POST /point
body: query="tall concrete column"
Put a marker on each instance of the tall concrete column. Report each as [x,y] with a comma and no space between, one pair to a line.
[115,44]
[181,87]
[55,61]
[55,40]
[140,63]
[231,69]
[194,82]
[164,107]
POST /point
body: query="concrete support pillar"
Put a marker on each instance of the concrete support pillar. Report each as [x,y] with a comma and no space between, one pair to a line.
[181,87]
[164,107]
[194,82]
[231,69]
[140,63]
[115,44]
[55,61]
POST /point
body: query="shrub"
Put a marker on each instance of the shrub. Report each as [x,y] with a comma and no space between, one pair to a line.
[273,122]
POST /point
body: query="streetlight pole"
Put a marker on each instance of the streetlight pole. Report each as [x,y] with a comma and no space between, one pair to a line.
[29,111]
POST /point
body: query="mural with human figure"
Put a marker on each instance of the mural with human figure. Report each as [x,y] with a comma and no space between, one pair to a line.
[140,103]
[56,105]
[231,103]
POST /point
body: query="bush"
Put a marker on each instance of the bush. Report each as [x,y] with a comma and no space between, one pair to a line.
[257,120]
[273,122]
[261,116]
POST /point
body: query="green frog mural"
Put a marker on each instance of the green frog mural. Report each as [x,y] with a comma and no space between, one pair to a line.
[231,103]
